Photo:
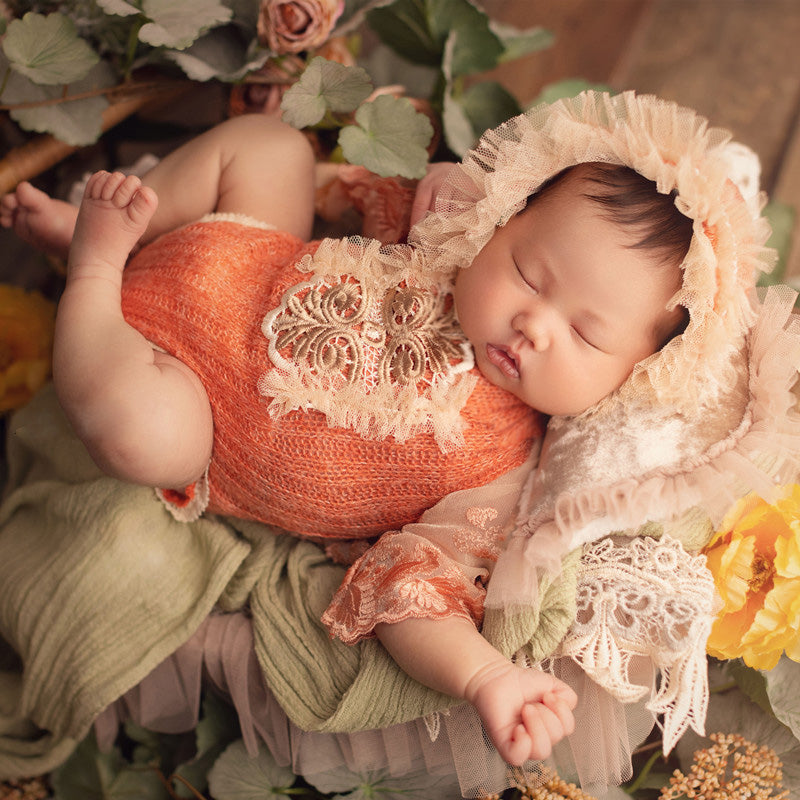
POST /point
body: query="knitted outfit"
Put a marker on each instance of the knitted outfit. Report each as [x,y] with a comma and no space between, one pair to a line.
[202,293]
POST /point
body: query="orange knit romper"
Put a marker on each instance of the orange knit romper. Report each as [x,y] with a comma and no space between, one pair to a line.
[201,293]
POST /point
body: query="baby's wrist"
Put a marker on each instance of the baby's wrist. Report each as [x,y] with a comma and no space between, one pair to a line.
[484,675]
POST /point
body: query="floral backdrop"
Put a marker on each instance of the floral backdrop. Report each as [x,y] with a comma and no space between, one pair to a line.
[382,87]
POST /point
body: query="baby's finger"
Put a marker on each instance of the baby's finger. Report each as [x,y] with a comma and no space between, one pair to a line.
[564,692]
[518,747]
[541,741]
[562,710]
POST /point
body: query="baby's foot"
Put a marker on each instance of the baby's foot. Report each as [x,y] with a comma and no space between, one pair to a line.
[114,213]
[39,219]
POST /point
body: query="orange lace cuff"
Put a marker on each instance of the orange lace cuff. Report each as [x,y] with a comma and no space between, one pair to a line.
[402,576]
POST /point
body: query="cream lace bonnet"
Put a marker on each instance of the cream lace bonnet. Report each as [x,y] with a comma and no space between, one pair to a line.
[668,144]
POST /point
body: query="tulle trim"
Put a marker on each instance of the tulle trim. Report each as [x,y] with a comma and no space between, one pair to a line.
[761,453]
[444,743]
[674,147]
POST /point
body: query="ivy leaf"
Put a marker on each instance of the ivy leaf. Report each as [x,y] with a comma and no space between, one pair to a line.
[378,783]
[389,138]
[477,48]
[75,122]
[176,24]
[354,14]
[517,43]
[418,31]
[323,86]
[487,104]
[89,774]
[456,124]
[217,55]
[120,8]
[781,219]
[750,681]
[238,776]
[405,27]
[47,49]
[783,690]
[218,728]
[570,87]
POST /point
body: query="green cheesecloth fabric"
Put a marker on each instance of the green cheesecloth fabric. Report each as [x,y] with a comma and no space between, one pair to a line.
[99,584]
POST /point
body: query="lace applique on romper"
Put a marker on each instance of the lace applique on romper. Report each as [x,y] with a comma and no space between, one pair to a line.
[371,341]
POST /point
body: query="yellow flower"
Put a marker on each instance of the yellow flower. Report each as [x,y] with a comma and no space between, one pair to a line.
[26,340]
[755,561]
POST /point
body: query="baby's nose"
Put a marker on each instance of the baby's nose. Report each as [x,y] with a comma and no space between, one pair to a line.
[535,327]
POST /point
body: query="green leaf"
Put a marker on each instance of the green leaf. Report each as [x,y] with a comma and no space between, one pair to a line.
[570,87]
[487,105]
[781,218]
[404,26]
[218,55]
[120,8]
[517,43]
[389,138]
[379,784]
[324,86]
[459,135]
[419,29]
[238,776]
[217,729]
[354,13]
[48,50]
[76,122]
[176,23]
[89,774]
[477,48]
[783,691]
[750,681]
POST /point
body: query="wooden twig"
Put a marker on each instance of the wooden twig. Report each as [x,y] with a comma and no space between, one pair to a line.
[39,154]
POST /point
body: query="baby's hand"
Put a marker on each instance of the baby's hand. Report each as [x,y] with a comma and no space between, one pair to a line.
[524,711]
[428,188]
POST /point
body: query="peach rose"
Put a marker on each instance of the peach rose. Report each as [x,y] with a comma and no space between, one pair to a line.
[290,26]
[755,561]
[26,340]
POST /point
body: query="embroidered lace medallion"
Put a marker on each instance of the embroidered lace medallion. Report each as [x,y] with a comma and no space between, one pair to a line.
[370,340]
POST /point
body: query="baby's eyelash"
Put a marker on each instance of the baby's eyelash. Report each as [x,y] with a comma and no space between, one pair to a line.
[583,338]
[524,278]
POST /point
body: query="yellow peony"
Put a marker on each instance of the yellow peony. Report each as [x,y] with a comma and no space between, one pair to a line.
[755,561]
[26,341]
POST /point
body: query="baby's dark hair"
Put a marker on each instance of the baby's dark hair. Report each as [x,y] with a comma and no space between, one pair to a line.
[633,202]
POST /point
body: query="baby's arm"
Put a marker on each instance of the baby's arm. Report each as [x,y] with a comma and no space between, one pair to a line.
[143,415]
[524,711]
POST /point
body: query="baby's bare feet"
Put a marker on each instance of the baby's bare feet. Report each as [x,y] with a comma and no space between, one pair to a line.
[39,219]
[114,213]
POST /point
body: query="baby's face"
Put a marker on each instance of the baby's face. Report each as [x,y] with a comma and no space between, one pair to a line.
[558,308]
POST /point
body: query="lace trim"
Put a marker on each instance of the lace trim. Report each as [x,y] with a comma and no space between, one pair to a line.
[373,345]
[404,577]
[187,505]
[646,597]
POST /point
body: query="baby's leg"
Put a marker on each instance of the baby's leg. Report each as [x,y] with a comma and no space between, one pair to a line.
[253,164]
[143,415]
[40,220]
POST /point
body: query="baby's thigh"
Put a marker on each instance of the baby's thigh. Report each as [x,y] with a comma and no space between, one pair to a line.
[268,174]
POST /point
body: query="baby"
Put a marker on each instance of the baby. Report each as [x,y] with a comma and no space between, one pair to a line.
[558,307]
